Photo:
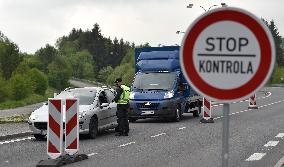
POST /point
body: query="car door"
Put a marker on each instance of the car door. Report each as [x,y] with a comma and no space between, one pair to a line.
[112,105]
[104,111]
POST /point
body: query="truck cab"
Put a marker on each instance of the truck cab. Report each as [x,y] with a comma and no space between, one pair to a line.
[159,89]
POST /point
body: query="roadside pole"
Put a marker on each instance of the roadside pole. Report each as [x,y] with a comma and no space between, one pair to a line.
[225,135]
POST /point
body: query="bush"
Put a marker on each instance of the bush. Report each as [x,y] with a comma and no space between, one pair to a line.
[59,73]
[39,81]
[20,86]
[277,76]
[3,90]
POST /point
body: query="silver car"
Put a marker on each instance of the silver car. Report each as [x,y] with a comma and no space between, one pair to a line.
[97,111]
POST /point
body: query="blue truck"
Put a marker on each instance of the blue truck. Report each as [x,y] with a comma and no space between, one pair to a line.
[159,89]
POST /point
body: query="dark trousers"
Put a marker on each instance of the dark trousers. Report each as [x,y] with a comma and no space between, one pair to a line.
[122,118]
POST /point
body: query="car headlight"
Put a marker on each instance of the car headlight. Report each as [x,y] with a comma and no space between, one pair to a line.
[33,117]
[169,95]
[131,96]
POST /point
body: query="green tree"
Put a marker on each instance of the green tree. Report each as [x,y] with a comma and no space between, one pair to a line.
[39,81]
[277,40]
[46,56]
[59,73]
[20,86]
[3,89]
[9,58]
[104,74]
[81,64]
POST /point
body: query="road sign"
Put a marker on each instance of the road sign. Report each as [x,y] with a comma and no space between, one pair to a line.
[72,127]
[227,54]
[55,128]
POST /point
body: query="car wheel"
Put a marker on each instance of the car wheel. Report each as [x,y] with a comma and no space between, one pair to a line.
[93,127]
[177,116]
[132,120]
[39,136]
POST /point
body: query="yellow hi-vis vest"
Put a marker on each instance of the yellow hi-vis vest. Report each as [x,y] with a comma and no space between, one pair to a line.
[124,97]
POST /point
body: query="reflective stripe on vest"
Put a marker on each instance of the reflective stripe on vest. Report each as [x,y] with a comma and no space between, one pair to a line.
[124,97]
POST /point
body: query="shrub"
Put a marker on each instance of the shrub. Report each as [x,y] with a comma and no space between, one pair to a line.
[39,81]
[20,86]
[3,90]
[59,73]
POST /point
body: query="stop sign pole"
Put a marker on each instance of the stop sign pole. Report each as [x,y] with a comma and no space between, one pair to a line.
[227,55]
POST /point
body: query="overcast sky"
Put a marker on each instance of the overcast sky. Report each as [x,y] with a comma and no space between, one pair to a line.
[33,23]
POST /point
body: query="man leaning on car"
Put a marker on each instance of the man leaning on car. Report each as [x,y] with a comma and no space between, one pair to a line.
[122,99]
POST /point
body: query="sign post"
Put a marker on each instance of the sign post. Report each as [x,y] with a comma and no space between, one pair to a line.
[227,55]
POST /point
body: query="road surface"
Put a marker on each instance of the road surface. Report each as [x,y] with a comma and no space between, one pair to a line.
[256,139]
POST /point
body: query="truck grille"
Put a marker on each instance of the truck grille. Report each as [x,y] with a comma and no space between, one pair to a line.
[147,105]
[43,125]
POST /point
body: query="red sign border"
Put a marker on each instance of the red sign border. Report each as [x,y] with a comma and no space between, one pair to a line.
[261,33]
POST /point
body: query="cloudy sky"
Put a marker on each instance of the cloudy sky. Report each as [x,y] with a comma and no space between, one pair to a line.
[33,23]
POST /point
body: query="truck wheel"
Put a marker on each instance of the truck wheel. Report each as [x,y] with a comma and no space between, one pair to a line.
[177,116]
[198,112]
[132,120]
[39,136]
[93,127]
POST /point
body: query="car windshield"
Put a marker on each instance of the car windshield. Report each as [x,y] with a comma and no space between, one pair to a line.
[86,97]
[155,81]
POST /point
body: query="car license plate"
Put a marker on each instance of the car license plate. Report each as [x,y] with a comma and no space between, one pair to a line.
[147,112]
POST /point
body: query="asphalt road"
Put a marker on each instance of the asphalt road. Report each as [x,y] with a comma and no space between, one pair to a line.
[256,139]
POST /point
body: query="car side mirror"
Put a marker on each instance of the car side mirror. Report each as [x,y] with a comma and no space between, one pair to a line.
[104,105]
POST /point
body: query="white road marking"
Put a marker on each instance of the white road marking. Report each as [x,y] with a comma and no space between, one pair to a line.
[92,154]
[220,104]
[16,140]
[123,145]
[271,144]
[256,157]
[280,135]
[182,128]
[249,109]
[280,163]
[159,135]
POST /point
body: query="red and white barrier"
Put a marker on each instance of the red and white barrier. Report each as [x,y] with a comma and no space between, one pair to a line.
[55,128]
[206,112]
[72,127]
[206,109]
[55,133]
[252,102]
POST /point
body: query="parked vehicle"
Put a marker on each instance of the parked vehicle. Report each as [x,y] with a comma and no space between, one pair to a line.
[159,89]
[97,111]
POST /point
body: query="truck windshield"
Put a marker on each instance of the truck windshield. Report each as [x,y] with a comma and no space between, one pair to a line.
[154,81]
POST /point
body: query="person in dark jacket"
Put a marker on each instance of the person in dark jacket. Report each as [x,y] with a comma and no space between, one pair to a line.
[122,99]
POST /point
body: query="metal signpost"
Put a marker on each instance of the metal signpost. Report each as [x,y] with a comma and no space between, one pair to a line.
[227,55]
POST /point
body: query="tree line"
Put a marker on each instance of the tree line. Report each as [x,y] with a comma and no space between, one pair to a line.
[81,54]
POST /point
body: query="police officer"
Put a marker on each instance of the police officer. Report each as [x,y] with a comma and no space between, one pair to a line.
[122,98]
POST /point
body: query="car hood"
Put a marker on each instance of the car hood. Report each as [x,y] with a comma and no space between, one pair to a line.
[41,114]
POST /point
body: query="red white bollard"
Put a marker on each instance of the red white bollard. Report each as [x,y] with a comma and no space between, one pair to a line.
[55,128]
[206,112]
[55,134]
[72,127]
[252,102]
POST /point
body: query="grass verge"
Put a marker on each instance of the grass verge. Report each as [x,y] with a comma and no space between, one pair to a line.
[32,99]
[14,119]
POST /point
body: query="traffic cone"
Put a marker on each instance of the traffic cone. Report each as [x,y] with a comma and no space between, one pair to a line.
[252,102]
[206,112]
